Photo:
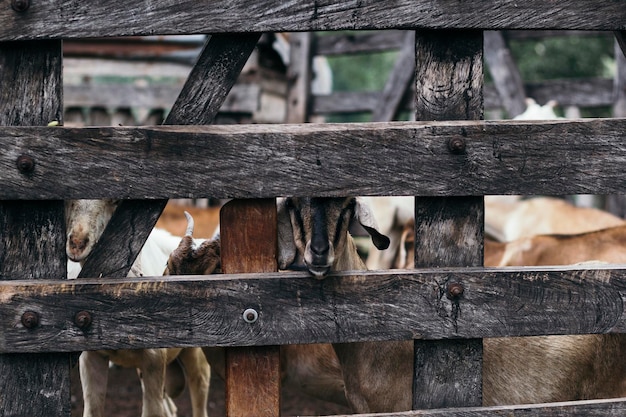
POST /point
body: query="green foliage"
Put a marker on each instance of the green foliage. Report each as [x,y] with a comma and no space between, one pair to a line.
[563,57]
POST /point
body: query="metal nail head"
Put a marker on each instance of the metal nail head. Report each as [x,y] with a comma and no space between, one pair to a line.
[250,315]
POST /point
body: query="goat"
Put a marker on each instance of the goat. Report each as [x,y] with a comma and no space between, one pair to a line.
[534,111]
[606,245]
[543,215]
[391,213]
[313,369]
[86,220]
[378,375]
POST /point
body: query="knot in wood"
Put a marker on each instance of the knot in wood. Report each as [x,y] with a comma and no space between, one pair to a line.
[25,164]
[30,319]
[82,319]
[20,6]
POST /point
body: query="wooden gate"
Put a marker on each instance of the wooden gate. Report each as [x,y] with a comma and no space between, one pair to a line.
[449,160]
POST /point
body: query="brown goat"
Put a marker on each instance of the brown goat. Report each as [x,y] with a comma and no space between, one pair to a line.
[313,369]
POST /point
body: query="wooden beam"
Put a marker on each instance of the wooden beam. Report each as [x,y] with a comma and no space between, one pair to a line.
[505,74]
[139,313]
[257,161]
[32,240]
[249,244]
[448,231]
[605,408]
[299,78]
[94,19]
[209,82]
[398,82]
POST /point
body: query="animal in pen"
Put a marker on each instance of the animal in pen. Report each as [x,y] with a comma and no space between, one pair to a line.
[86,220]
[550,368]
[314,368]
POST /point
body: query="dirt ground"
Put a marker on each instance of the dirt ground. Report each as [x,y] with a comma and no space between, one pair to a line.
[124,398]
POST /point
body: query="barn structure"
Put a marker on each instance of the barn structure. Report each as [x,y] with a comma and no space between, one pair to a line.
[449,159]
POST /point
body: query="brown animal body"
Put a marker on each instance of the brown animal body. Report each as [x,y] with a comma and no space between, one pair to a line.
[313,369]
[378,375]
[542,216]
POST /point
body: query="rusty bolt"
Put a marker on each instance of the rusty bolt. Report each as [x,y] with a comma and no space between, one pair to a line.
[455,290]
[456,146]
[20,6]
[25,164]
[250,315]
[30,319]
[82,319]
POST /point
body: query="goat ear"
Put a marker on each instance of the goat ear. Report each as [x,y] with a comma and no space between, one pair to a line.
[286,245]
[365,216]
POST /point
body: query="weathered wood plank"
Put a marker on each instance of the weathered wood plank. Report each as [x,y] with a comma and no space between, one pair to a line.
[295,308]
[448,231]
[411,158]
[32,234]
[594,408]
[382,41]
[249,244]
[590,92]
[65,19]
[506,76]
[209,82]
[115,95]
[299,76]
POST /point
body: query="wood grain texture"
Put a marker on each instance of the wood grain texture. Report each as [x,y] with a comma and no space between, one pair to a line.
[257,161]
[138,313]
[249,244]
[206,88]
[70,19]
[32,234]
[448,231]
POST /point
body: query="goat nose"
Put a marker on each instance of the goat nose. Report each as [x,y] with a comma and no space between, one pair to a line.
[320,248]
[78,243]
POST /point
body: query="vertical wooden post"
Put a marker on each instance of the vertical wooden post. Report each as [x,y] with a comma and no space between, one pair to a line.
[505,74]
[299,78]
[449,231]
[32,233]
[249,244]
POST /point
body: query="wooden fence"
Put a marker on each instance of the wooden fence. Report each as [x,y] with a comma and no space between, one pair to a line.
[43,165]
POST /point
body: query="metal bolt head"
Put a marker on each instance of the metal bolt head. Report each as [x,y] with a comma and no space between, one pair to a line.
[250,315]
[30,319]
[82,319]
[456,146]
[20,6]
[25,164]
[455,290]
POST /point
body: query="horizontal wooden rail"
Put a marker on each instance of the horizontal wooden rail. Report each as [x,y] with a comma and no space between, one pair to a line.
[257,161]
[589,408]
[296,308]
[62,19]
[587,92]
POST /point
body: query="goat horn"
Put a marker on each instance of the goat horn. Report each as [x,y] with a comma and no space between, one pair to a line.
[190,225]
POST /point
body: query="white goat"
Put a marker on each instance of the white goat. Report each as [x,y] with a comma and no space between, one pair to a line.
[391,213]
[86,220]
[378,375]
